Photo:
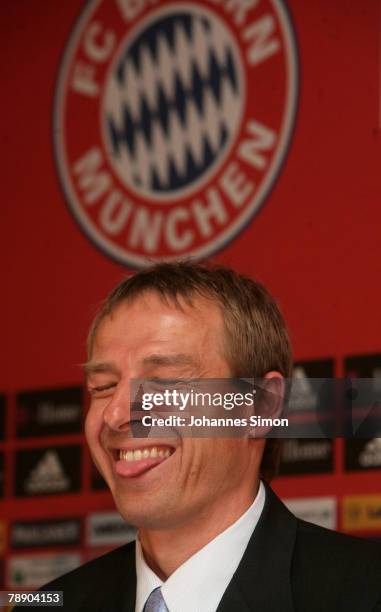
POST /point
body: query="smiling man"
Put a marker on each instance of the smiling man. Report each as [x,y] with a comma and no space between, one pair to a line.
[211,533]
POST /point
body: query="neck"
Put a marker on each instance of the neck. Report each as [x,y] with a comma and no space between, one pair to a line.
[166,549]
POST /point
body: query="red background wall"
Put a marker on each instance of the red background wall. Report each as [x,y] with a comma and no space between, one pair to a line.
[315,243]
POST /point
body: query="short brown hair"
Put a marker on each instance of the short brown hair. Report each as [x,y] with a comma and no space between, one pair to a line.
[256,339]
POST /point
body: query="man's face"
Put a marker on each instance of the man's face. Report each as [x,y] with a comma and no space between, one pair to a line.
[189,477]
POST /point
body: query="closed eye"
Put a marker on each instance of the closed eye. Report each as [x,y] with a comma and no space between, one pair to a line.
[101,388]
[167,382]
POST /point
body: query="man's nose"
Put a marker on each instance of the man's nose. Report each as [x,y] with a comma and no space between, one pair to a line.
[117,412]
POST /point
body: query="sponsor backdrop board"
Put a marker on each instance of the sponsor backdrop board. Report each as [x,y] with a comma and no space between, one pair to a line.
[318,510]
[108,529]
[48,471]
[49,412]
[363,453]
[312,389]
[363,366]
[30,571]
[362,513]
[309,456]
[311,393]
[47,533]
[209,156]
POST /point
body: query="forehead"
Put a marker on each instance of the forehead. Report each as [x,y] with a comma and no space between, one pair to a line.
[151,323]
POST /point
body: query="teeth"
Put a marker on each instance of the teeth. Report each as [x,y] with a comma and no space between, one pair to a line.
[144,453]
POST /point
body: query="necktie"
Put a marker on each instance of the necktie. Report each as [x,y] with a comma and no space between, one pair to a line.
[155,602]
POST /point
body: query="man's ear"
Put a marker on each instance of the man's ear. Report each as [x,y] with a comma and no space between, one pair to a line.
[268,404]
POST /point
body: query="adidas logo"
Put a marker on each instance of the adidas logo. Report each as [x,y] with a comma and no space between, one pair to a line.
[370,456]
[48,476]
[303,396]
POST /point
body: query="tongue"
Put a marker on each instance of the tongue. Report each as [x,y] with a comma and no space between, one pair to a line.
[138,467]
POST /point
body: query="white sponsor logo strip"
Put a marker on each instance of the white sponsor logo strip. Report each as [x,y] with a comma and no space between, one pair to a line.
[33,571]
[108,528]
[321,511]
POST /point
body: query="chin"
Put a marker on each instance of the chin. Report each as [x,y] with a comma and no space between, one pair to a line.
[148,518]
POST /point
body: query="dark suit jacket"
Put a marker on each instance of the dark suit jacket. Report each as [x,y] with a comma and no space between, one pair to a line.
[289,566]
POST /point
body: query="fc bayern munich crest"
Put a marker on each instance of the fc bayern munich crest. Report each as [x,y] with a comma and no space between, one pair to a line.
[172,120]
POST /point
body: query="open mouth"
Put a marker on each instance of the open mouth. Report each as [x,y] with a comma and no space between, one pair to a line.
[135,462]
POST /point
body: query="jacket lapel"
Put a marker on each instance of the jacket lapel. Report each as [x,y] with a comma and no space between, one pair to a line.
[262,579]
[117,592]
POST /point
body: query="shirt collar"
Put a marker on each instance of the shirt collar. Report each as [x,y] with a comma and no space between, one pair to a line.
[189,587]
[147,580]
